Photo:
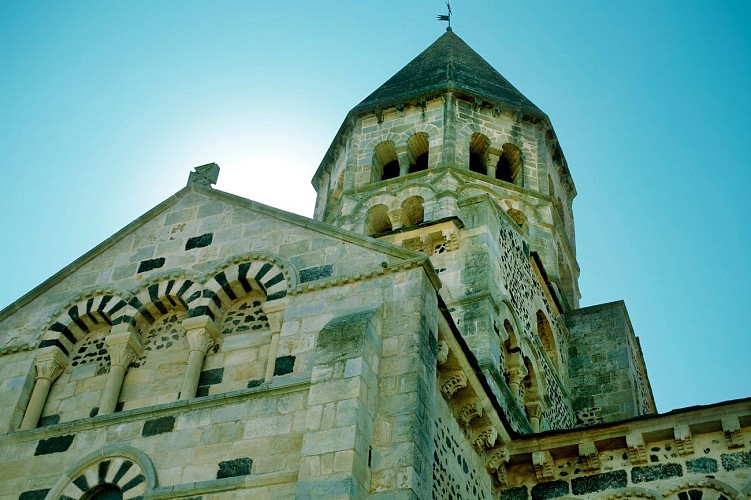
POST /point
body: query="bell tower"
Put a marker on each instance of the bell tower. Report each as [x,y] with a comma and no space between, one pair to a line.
[448,158]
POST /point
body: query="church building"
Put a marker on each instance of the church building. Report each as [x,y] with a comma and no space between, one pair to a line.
[419,338]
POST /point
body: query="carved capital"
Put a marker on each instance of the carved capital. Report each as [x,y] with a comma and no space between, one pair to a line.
[589,456]
[534,409]
[731,426]
[201,332]
[454,381]
[274,311]
[544,465]
[515,368]
[50,363]
[123,345]
[637,451]
[683,439]
[397,218]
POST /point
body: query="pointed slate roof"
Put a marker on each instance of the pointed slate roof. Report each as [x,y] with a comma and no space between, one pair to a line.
[448,64]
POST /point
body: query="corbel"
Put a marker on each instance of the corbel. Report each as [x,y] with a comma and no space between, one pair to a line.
[637,452]
[496,464]
[485,438]
[454,381]
[468,409]
[543,464]
[477,103]
[683,439]
[443,352]
[589,456]
[731,426]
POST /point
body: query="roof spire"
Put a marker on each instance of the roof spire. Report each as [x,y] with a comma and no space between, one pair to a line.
[446,17]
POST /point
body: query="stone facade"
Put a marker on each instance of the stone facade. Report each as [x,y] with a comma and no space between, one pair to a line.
[420,338]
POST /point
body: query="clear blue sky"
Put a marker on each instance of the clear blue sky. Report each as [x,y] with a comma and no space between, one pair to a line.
[106,107]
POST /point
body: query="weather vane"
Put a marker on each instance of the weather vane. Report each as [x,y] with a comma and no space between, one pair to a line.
[446,17]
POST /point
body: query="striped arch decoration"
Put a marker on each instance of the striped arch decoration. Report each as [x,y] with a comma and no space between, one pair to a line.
[259,274]
[83,317]
[117,467]
[160,297]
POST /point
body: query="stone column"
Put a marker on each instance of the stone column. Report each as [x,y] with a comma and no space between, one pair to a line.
[516,372]
[491,163]
[275,312]
[202,333]
[397,218]
[124,347]
[50,363]
[403,158]
[534,412]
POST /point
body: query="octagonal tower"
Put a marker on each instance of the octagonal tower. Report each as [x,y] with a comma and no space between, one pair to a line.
[448,158]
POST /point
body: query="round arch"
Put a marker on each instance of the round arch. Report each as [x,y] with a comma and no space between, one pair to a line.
[85,314]
[125,467]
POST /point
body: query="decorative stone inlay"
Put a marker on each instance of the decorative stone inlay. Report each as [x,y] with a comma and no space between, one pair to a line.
[245,315]
[589,456]
[164,333]
[637,452]
[454,381]
[92,350]
[683,439]
[731,426]
[543,464]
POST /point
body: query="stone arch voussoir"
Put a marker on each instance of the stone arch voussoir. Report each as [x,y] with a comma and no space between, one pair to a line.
[163,294]
[128,468]
[85,314]
[242,276]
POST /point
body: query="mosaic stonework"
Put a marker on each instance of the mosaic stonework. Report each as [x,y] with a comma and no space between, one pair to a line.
[455,471]
[245,316]
[92,349]
[524,289]
[164,333]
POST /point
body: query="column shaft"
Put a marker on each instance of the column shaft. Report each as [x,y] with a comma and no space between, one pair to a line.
[271,361]
[112,389]
[36,403]
[192,374]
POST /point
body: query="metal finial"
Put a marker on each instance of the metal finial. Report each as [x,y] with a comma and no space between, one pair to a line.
[446,17]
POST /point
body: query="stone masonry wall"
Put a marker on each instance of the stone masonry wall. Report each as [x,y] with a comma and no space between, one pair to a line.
[607,380]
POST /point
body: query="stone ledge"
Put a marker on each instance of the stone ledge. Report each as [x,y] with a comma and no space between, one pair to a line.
[294,384]
[217,485]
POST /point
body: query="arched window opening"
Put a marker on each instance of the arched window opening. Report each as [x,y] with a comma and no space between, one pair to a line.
[509,167]
[478,148]
[377,220]
[413,210]
[385,161]
[418,148]
[551,187]
[545,332]
[559,207]
[103,492]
